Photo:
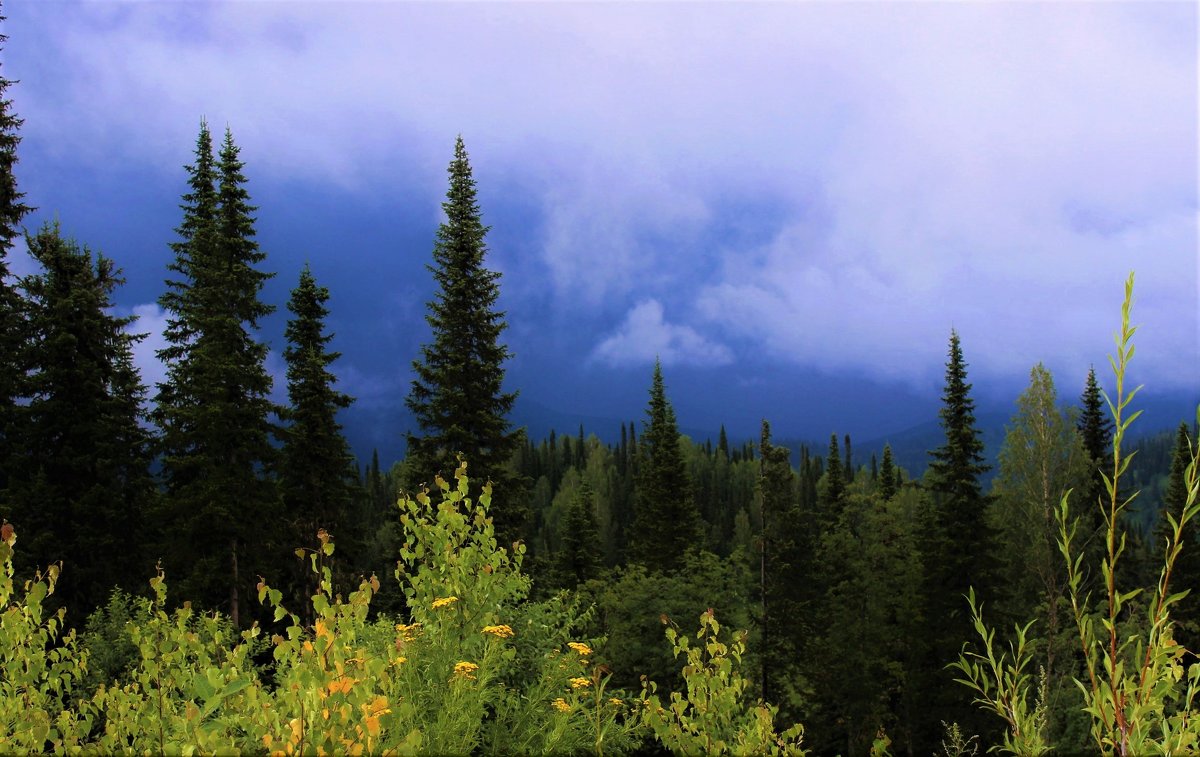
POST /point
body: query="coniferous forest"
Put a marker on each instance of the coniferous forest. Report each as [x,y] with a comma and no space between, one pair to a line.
[192,568]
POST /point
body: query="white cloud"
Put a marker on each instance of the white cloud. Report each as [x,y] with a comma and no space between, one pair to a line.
[645,336]
[995,167]
[151,321]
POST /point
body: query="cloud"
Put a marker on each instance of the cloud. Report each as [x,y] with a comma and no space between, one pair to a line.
[834,185]
[151,321]
[645,336]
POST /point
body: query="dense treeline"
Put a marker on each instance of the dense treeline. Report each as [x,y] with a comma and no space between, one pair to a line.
[849,572]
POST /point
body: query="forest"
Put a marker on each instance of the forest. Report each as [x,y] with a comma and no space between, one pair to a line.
[191,568]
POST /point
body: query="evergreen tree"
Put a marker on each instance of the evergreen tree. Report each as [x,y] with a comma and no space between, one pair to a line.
[85,479]
[1187,566]
[666,524]
[213,407]
[783,547]
[1095,428]
[960,544]
[13,328]
[317,474]
[835,483]
[457,395]
[887,474]
[579,557]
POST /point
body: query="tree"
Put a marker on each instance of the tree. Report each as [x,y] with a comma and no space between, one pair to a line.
[457,395]
[959,540]
[318,479]
[579,556]
[887,474]
[666,524]
[1041,460]
[1187,566]
[13,331]
[1095,428]
[85,480]
[835,482]
[213,409]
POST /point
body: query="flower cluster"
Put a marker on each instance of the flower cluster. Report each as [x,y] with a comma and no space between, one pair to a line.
[465,669]
[561,705]
[443,601]
[500,632]
[579,683]
[583,649]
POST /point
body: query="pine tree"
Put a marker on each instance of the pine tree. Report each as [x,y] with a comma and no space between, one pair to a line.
[835,483]
[887,474]
[13,328]
[960,541]
[213,408]
[666,524]
[1095,428]
[457,395]
[579,558]
[85,482]
[317,475]
[1186,574]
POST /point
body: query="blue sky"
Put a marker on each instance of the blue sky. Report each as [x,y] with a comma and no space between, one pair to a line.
[790,203]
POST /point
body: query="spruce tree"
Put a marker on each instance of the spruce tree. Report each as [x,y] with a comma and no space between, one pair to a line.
[835,483]
[13,327]
[317,474]
[959,541]
[85,481]
[1186,574]
[887,474]
[579,558]
[666,524]
[1095,428]
[213,409]
[457,396]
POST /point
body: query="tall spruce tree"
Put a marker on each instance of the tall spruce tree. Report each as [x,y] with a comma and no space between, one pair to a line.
[213,409]
[13,327]
[85,482]
[887,474]
[318,478]
[1095,428]
[959,542]
[835,482]
[580,554]
[457,396]
[666,524]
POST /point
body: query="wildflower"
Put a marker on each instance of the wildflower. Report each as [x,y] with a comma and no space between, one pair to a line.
[443,601]
[561,705]
[500,632]
[583,649]
[408,632]
[465,669]
[579,683]
[615,702]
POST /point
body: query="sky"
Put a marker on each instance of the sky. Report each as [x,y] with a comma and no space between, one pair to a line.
[789,204]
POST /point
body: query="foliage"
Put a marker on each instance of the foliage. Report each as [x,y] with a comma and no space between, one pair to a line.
[1138,692]
[707,717]
[213,408]
[457,395]
[666,524]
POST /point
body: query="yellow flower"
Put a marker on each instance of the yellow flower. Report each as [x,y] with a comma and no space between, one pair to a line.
[500,632]
[615,702]
[408,632]
[579,683]
[583,649]
[561,705]
[465,669]
[440,603]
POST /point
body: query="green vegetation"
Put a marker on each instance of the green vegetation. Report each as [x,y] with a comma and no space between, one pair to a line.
[529,603]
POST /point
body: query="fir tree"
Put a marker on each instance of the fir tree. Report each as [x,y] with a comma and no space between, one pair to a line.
[835,483]
[666,524]
[579,558]
[457,395]
[960,542]
[887,474]
[13,328]
[1186,574]
[1095,428]
[213,407]
[317,474]
[85,482]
